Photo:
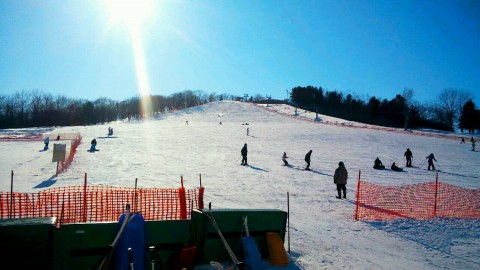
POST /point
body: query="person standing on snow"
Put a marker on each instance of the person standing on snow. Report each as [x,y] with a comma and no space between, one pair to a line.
[431,158]
[284,158]
[408,155]
[473,145]
[244,152]
[307,159]
[46,142]
[340,178]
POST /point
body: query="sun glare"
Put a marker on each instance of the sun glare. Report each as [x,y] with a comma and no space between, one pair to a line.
[132,14]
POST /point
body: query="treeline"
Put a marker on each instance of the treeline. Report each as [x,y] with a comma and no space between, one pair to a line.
[36,108]
[452,108]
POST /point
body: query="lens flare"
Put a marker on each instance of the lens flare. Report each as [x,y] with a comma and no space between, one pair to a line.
[133,14]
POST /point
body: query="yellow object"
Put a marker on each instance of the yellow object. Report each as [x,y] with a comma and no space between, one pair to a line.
[278,255]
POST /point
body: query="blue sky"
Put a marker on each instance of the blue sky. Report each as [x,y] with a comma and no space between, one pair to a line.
[365,48]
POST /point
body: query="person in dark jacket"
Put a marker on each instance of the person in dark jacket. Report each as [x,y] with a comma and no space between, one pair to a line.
[431,158]
[378,164]
[284,158]
[307,159]
[93,145]
[340,178]
[395,168]
[244,152]
[46,142]
[408,155]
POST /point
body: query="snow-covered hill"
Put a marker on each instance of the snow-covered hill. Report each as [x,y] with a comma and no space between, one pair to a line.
[159,150]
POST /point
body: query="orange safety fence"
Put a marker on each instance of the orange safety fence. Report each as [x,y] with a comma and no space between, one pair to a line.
[416,201]
[71,154]
[75,204]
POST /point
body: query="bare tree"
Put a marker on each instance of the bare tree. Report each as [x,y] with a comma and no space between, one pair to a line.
[407,96]
[450,104]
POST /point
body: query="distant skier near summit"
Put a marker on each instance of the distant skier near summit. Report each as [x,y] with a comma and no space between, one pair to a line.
[244,152]
[408,155]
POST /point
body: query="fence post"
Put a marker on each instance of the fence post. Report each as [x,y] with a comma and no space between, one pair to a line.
[135,201]
[84,212]
[11,196]
[201,191]
[357,197]
[436,194]
[183,201]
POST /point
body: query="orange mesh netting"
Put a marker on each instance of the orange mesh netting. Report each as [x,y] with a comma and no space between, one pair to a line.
[101,203]
[417,201]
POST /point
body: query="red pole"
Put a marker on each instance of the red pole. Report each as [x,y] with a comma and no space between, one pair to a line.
[84,199]
[11,195]
[436,193]
[357,195]
[135,205]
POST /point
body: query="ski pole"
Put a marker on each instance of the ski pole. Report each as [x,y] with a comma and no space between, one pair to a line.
[152,256]
[130,257]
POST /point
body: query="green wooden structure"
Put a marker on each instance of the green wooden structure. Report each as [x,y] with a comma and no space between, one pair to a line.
[35,243]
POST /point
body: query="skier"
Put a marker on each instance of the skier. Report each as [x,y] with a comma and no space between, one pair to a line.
[431,158]
[244,152]
[408,154]
[473,145]
[46,142]
[93,145]
[463,141]
[284,158]
[307,159]
[395,168]
[378,164]
[340,178]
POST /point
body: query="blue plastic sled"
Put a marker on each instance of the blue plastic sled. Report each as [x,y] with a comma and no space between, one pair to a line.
[133,237]
[253,258]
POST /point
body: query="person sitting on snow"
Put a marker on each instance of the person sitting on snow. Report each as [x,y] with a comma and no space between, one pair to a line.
[378,164]
[93,145]
[395,168]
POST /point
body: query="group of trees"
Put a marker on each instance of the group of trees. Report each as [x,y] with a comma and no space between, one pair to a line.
[36,108]
[452,108]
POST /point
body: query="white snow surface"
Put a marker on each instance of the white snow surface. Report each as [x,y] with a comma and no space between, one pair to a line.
[323,233]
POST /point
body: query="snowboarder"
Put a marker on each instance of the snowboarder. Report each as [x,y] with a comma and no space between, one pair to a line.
[395,168]
[46,142]
[93,145]
[408,155]
[473,145]
[431,158]
[244,152]
[284,158]
[378,164]
[340,178]
[307,159]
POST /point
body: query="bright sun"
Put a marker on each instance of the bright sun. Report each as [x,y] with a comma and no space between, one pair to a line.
[132,13]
